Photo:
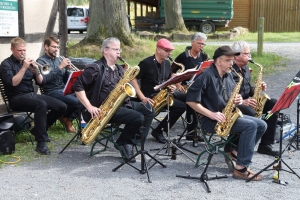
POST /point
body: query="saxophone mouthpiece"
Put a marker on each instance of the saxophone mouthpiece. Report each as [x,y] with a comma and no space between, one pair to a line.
[251,61]
[120,58]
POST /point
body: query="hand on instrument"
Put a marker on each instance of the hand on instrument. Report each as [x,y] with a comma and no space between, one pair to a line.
[94,111]
[65,63]
[180,88]
[238,100]
[27,62]
[218,116]
[146,99]
[172,88]
[263,86]
[249,102]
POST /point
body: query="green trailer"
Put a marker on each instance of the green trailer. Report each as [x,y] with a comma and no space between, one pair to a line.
[202,15]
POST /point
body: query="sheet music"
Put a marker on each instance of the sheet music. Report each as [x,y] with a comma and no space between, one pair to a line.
[71,80]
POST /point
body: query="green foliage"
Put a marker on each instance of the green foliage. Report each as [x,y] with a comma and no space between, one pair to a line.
[78,2]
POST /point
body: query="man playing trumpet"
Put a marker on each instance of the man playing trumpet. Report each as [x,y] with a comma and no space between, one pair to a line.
[17,74]
[53,82]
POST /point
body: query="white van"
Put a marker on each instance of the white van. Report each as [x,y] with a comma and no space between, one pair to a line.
[77,18]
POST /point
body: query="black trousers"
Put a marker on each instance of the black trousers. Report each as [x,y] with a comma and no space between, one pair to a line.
[39,105]
[269,136]
[176,110]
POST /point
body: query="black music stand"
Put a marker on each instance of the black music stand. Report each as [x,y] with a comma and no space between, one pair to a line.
[179,77]
[284,101]
[144,167]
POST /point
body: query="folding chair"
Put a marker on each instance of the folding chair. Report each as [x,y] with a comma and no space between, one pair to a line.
[215,144]
[23,124]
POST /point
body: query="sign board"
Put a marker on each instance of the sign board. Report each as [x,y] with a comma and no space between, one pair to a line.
[9,22]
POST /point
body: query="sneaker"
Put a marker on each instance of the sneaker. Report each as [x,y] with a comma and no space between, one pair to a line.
[230,167]
[246,175]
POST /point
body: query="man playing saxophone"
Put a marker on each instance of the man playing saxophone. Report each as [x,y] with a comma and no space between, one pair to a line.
[190,58]
[210,94]
[155,70]
[95,85]
[54,82]
[249,103]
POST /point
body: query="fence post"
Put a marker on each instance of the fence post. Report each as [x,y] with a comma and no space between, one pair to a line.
[260,36]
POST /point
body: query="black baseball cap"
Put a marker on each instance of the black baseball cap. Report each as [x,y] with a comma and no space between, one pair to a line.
[225,50]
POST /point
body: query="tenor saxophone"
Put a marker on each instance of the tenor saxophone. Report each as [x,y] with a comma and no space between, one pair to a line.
[231,112]
[114,100]
[260,97]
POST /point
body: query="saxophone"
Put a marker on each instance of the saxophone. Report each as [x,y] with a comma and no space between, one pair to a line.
[161,99]
[231,112]
[260,97]
[111,104]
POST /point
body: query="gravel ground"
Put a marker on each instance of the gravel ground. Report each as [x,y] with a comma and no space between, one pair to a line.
[75,175]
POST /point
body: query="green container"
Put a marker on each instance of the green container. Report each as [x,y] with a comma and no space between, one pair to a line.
[203,9]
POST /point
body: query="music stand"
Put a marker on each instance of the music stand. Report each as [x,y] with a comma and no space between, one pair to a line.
[144,167]
[179,77]
[284,101]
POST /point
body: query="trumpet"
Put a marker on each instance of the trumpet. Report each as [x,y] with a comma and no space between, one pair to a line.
[44,69]
[73,67]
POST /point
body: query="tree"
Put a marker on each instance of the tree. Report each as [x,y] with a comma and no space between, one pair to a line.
[108,19]
[173,16]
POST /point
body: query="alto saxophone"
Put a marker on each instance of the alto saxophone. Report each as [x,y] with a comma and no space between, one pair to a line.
[111,104]
[260,97]
[231,112]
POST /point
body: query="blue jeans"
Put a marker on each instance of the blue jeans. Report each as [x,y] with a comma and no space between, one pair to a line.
[251,130]
[73,104]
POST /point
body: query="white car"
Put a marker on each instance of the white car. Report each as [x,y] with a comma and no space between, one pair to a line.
[77,18]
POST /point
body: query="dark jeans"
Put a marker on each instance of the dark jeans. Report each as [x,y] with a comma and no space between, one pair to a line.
[73,104]
[40,105]
[269,135]
[133,120]
[176,110]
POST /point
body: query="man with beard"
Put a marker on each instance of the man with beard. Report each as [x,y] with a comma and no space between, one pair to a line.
[54,83]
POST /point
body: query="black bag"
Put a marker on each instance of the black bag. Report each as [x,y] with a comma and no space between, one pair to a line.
[7,136]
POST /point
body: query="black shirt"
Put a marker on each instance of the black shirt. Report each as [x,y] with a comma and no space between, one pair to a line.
[188,61]
[88,79]
[209,89]
[57,78]
[9,68]
[152,74]
[246,89]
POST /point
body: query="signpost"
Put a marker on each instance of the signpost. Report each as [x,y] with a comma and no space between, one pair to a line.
[9,23]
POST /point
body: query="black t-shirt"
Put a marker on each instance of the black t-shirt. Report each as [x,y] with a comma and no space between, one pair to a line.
[246,89]
[152,74]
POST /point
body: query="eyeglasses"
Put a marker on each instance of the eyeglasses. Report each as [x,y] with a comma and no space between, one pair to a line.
[247,54]
[166,50]
[55,47]
[229,61]
[201,44]
[115,49]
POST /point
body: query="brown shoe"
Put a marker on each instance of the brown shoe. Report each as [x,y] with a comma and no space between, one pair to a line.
[246,175]
[68,124]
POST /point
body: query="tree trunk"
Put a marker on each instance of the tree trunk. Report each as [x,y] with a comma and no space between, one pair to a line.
[173,16]
[108,19]
[63,28]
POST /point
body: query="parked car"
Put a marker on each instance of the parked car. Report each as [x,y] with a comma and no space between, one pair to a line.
[77,18]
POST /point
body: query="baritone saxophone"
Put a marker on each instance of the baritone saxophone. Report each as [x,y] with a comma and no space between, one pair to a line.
[260,97]
[112,103]
[231,112]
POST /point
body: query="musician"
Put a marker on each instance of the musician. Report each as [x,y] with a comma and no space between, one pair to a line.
[248,105]
[209,95]
[190,58]
[95,85]
[155,70]
[17,73]
[54,82]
